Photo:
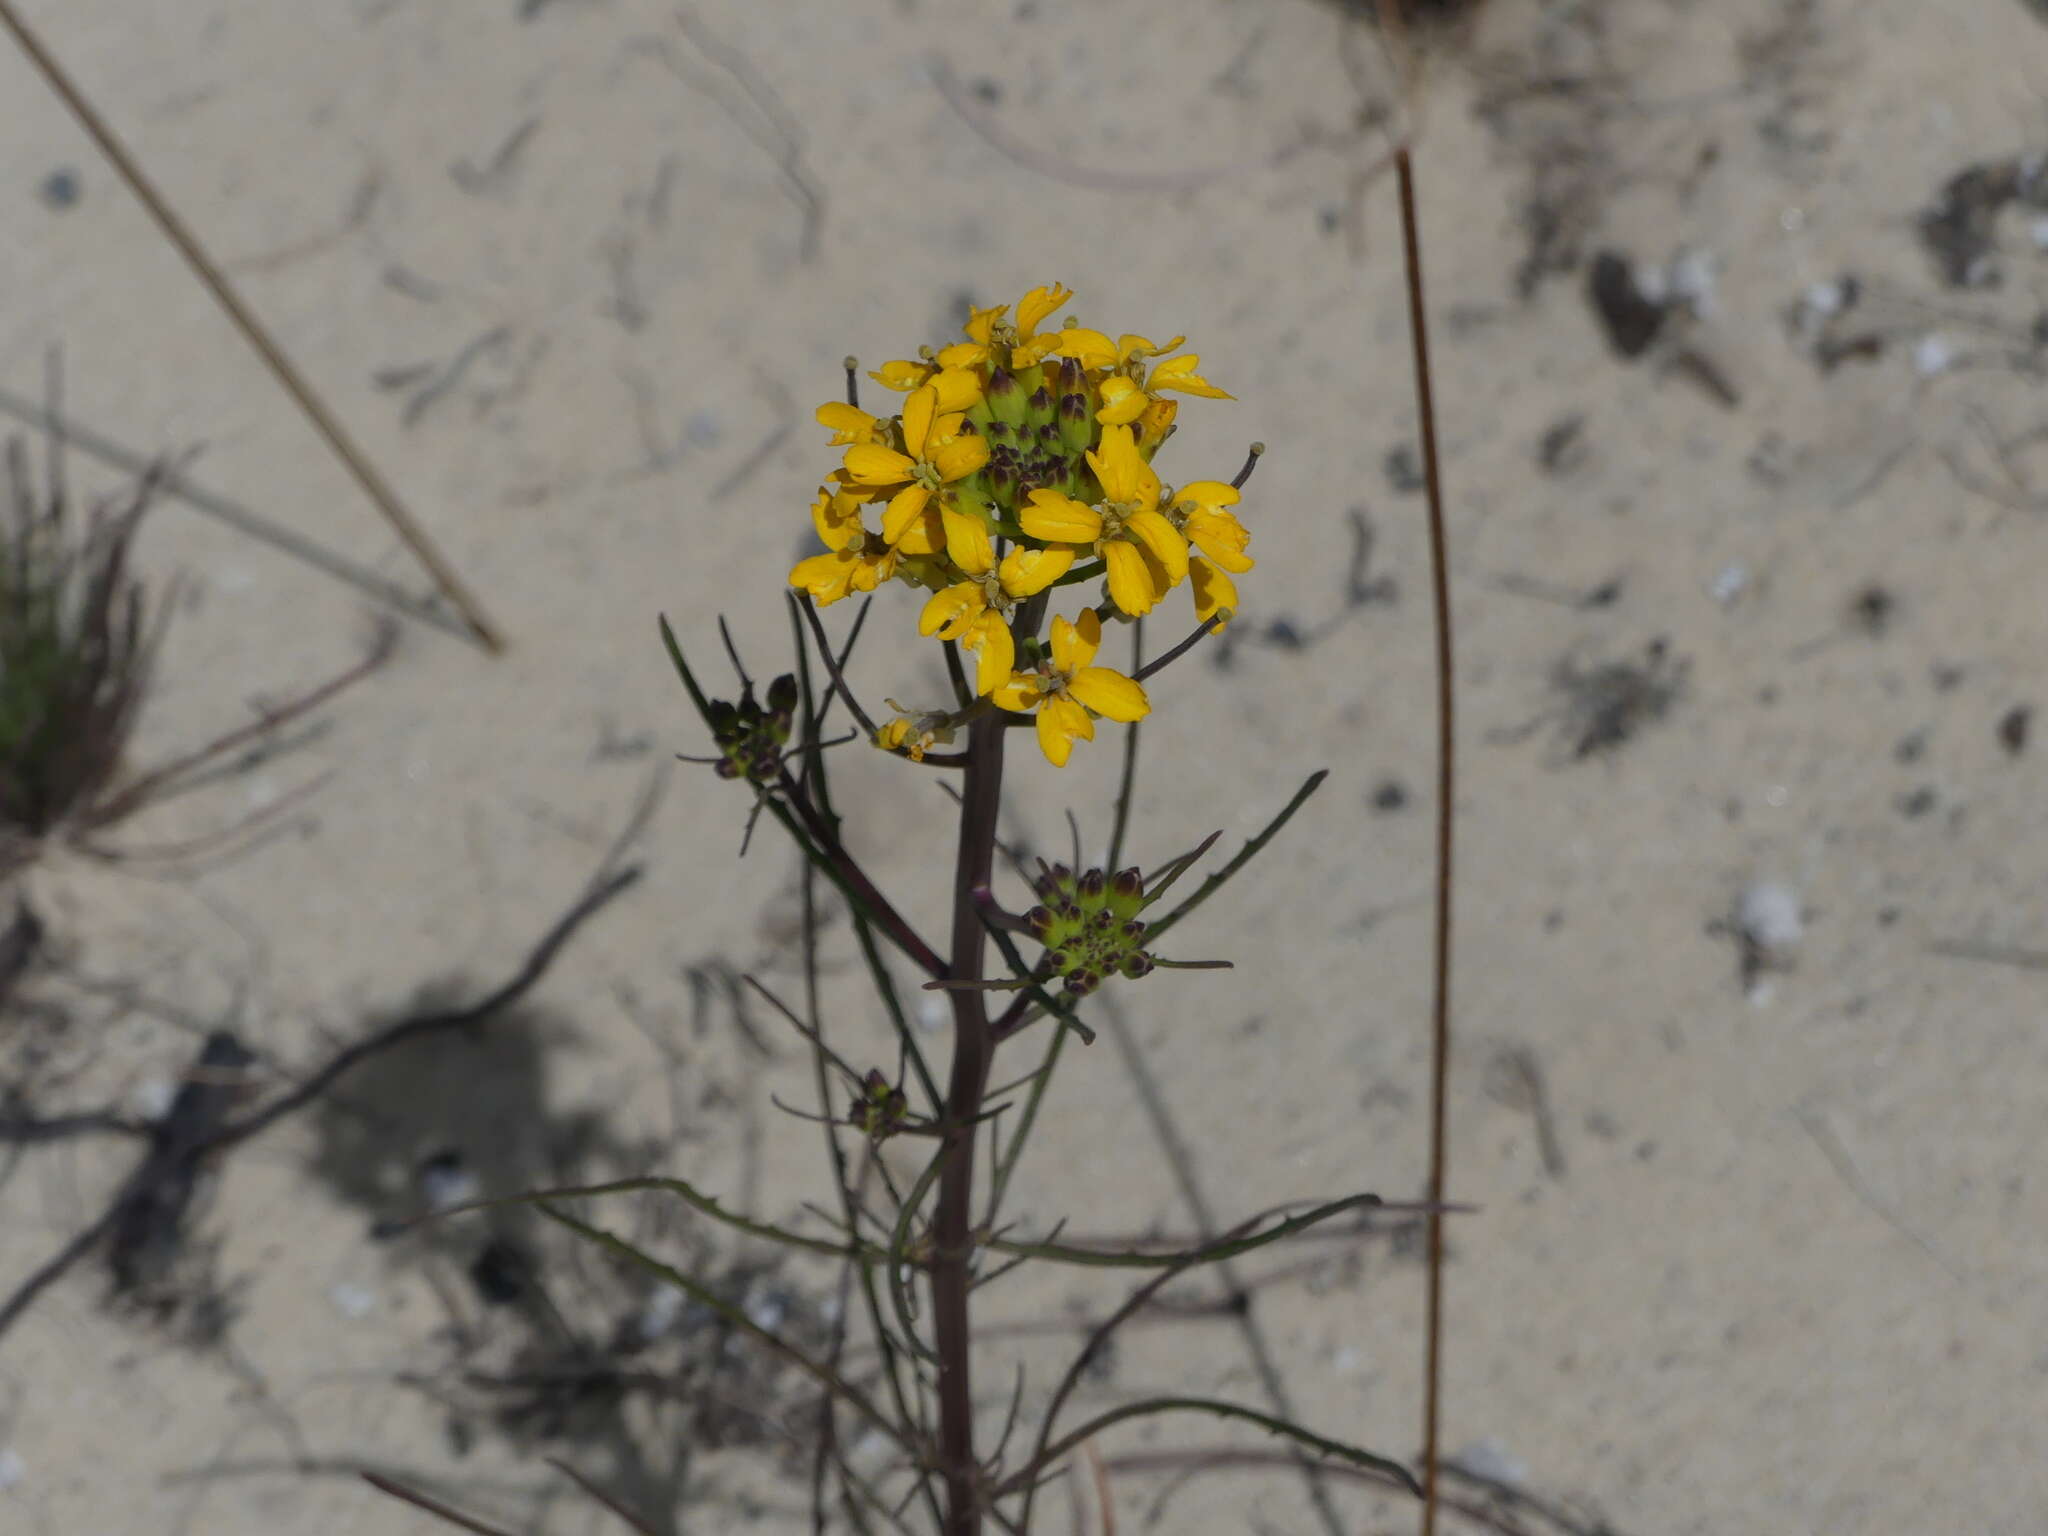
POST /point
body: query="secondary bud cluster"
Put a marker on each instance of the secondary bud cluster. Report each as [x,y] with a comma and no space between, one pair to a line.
[1089,925]
[751,737]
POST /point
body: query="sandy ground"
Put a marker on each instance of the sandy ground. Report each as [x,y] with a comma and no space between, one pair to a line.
[1750,1257]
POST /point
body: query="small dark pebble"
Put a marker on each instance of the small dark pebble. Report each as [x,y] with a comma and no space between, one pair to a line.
[1630,320]
[1918,803]
[2012,730]
[1562,447]
[1392,795]
[502,1273]
[1872,609]
[1911,748]
[60,189]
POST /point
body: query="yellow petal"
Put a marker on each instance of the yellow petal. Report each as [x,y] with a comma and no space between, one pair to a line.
[1091,349]
[1062,722]
[1026,571]
[873,569]
[1215,595]
[925,536]
[903,511]
[849,423]
[872,464]
[1156,425]
[833,531]
[1179,373]
[827,577]
[919,412]
[1122,402]
[961,457]
[989,637]
[981,323]
[946,613]
[1036,305]
[1210,495]
[1221,537]
[958,389]
[1132,584]
[1130,345]
[1117,465]
[1019,695]
[1073,645]
[1059,519]
[963,355]
[968,541]
[1163,540]
[1110,694]
[901,375]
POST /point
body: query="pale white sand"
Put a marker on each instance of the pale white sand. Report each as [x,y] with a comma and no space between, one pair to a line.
[1788,1278]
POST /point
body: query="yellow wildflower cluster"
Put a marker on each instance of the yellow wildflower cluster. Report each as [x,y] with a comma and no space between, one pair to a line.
[1021,461]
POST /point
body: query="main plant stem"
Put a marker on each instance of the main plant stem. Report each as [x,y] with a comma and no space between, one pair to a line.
[973,1049]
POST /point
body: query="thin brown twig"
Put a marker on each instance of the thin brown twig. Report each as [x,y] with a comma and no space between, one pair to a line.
[244,320]
[1440,1008]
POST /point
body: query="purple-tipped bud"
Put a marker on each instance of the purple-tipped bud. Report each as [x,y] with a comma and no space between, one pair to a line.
[1039,408]
[1039,920]
[1071,380]
[1093,884]
[782,694]
[1103,920]
[1006,398]
[1128,883]
[1076,423]
[727,768]
[1082,982]
[1136,965]
[1134,929]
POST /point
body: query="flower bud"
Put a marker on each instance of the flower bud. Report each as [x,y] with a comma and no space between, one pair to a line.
[1092,885]
[1039,408]
[1006,398]
[1128,884]
[1077,423]
[1137,964]
[1039,920]
[782,695]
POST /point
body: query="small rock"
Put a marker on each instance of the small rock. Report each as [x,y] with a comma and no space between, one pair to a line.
[1771,923]
[352,1301]
[1933,355]
[1489,1459]
[1728,583]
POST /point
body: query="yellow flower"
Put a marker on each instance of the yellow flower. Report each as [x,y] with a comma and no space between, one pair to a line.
[1128,387]
[1198,511]
[1144,556]
[976,612]
[936,452]
[1013,347]
[914,735]
[854,559]
[1065,688]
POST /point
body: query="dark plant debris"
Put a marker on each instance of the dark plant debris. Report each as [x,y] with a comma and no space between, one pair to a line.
[1629,318]
[2014,727]
[1607,704]
[1960,228]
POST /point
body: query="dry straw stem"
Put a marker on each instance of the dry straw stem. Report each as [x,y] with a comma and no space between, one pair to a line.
[281,368]
[1407,66]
